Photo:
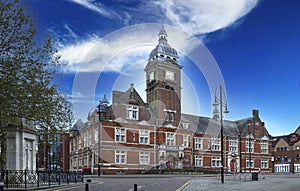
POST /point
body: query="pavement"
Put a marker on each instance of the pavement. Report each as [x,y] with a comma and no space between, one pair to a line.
[274,182]
[238,182]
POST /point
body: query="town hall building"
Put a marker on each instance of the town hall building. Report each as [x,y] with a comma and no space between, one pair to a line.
[133,136]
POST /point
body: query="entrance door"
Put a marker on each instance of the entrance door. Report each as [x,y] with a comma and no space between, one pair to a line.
[233,165]
[170,162]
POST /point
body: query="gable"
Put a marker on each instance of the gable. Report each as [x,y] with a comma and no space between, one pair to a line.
[281,143]
[129,96]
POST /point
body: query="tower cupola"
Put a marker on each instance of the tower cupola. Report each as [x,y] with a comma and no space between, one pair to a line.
[163,51]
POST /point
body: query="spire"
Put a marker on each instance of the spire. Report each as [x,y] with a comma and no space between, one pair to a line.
[104,101]
[162,33]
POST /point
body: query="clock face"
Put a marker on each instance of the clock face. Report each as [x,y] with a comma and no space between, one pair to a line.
[170,75]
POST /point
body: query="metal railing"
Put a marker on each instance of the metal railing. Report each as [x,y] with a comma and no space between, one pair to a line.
[30,179]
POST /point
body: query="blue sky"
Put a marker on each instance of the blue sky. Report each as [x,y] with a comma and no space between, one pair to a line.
[252,47]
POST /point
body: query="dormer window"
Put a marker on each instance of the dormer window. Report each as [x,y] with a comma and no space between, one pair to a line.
[185,125]
[132,112]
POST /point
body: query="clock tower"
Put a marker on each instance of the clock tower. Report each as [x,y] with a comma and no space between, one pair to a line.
[163,82]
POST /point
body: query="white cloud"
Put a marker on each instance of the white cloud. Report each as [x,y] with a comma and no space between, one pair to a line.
[96,7]
[204,16]
[113,52]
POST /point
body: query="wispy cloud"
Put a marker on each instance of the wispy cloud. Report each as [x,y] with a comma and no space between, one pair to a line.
[120,48]
[205,16]
[97,7]
[124,47]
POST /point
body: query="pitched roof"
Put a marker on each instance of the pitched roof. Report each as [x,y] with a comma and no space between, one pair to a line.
[129,96]
[206,125]
[78,125]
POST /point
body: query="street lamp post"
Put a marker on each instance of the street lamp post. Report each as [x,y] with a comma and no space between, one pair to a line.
[99,127]
[221,102]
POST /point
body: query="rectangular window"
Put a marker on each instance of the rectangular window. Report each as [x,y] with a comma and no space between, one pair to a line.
[86,160]
[264,147]
[132,112]
[120,135]
[96,135]
[167,116]
[144,158]
[264,164]
[170,139]
[216,162]
[172,117]
[215,144]
[185,125]
[198,143]
[76,143]
[144,137]
[185,141]
[80,161]
[282,167]
[198,161]
[249,146]
[85,140]
[233,145]
[120,157]
[90,139]
[249,163]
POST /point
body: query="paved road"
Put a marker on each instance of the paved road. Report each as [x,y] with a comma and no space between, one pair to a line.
[278,182]
[149,183]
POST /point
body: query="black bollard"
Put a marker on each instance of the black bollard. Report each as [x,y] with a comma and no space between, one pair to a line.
[135,187]
[1,185]
[87,184]
[86,187]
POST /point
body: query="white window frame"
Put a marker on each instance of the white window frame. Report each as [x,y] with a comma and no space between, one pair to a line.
[96,136]
[120,157]
[132,112]
[120,135]
[170,139]
[185,125]
[198,161]
[216,162]
[249,163]
[198,142]
[282,167]
[144,137]
[185,140]
[251,149]
[85,142]
[172,116]
[144,158]
[216,143]
[264,147]
[264,164]
[233,145]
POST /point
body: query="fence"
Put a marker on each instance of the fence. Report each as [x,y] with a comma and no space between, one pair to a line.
[24,179]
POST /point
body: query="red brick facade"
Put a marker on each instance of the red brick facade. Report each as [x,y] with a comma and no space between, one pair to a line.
[136,136]
[286,153]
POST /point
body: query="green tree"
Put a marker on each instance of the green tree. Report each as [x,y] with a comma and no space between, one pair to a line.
[27,72]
